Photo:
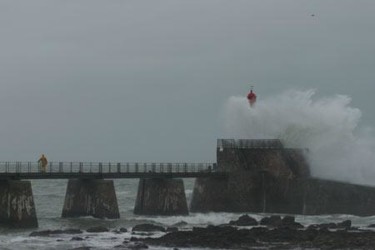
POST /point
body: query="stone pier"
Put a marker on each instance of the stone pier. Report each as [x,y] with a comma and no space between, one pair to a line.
[161,197]
[91,197]
[17,208]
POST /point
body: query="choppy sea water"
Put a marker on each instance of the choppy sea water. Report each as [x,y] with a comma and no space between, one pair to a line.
[49,199]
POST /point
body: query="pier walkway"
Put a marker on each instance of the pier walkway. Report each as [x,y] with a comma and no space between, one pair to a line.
[101,170]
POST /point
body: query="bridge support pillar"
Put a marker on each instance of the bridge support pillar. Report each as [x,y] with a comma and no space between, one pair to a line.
[210,194]
[17,208]
[91,197]
[161,196]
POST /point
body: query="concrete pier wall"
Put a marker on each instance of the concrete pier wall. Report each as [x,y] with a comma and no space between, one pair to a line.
[17,208]
[331,197]
[210,195]
[161,197]
[94,197]
[263,176]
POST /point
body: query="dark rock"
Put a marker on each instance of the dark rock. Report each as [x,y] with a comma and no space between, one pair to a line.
[148,228]
[172,229]
[371,225]
[345,224]
[288,220]
[98,229]
[54,232]
[262,237]
[81,248]
[121,230]
[137,245]
[244,220]
[76,238]
[272,221]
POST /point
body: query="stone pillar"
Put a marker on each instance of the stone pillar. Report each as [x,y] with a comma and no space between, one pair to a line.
[17,208]
[91,197]
[210,194]
[161,196]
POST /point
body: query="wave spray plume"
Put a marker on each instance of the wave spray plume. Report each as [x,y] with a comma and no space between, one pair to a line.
[328,127]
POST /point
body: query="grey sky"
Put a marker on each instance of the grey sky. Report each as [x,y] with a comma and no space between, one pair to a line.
[147,80]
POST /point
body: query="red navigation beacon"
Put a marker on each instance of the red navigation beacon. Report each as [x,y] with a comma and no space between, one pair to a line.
[252,97]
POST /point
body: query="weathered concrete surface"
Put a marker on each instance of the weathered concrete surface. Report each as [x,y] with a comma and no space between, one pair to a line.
[210,195]
[260,179]
[161,197]
[331,197]
[263,176]
[95,198]
[17,208]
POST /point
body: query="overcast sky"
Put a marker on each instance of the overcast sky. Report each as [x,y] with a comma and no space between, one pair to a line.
[147,80]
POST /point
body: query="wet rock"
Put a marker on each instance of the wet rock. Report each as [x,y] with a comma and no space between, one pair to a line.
[137,245]
[262,237]
[98,229]
[289,221]
[148,228]
[121,230]
[55,232]
[212,237]
[172,229]
[272,221]
[244,220]
[371,226]
[76,238]
[345,224]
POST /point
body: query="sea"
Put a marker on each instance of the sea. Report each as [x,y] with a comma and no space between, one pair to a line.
[49,199]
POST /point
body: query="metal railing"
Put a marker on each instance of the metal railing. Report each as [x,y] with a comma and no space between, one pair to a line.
[251,143]
[105,167]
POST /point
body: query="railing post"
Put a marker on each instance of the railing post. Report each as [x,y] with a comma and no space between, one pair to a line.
[81,167]
[136,167]
[110,167]
[50,167]
[29,167]
[153,167]
[100,167]
[127,167]
[71,167]
[145,167]
[118,167]
[185,167]
[169,167]
[6,167]
[161,168]
[61,167]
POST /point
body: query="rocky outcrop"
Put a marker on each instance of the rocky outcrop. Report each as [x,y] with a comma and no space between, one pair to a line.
[226,237]
[148,228]
[47,233]
[161,197]
[92,197]
[17,208]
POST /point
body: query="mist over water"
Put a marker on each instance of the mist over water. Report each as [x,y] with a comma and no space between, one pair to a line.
[339,147]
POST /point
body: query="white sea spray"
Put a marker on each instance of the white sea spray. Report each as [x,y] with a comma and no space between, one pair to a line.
[339,147]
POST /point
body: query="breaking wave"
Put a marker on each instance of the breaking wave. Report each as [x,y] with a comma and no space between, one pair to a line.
[339,148]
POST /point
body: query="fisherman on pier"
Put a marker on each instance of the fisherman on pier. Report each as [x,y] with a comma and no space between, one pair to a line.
[43,163]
